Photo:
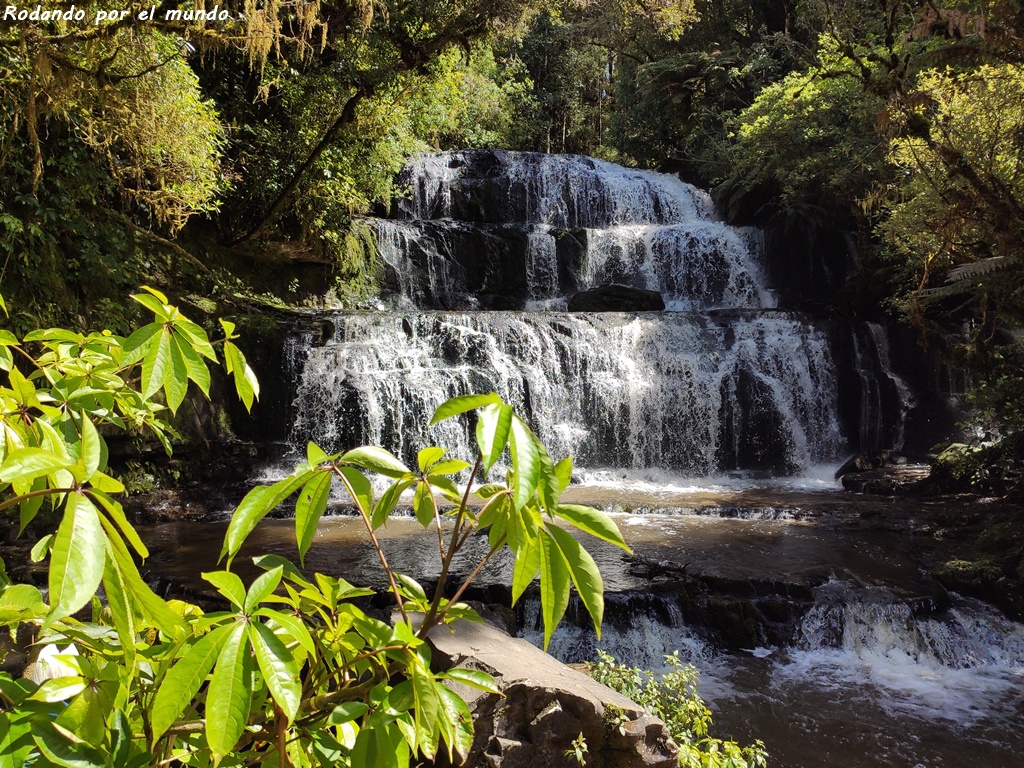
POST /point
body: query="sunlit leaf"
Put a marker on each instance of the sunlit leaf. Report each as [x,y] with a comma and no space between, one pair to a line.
[461,404]
[229,694]
[309,508]
[76,560]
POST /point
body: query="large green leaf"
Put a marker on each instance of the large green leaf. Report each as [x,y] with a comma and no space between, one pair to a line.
[292,626]
[309,508]
[554,585]
[197,370]
[492,431]
[156,366]
[594,522]
[526,568]
[375,460]
[25,464]
[474,678]
[115,512]
[584,573]
[176,384]
[387,502]
[227,700]
[246,383]
[278,668]
[61,747]
[457,713]
[359,487]
[152,607]
[262,588]
[229,585]
[182,682]
[422,504]
[121,610]
[92,447]
[256,505]
[461,404]
[76,560]
[427,707]
[428,456]
[525,462]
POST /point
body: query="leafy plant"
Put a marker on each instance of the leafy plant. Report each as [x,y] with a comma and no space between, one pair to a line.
[673,697]
[292,673]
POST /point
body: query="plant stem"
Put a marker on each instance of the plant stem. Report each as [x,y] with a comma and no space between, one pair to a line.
[42,492]
[376,544]
[476,571]
[454,545]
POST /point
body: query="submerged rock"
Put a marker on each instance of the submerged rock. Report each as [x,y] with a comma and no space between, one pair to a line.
[545,706]
[614,297]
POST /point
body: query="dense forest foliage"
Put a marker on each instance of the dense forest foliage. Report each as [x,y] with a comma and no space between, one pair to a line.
[212,157]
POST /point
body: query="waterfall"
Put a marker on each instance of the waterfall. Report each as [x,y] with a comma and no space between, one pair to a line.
[723,381]
[680,391]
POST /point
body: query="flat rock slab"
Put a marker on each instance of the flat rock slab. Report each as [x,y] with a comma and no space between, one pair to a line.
[545,707]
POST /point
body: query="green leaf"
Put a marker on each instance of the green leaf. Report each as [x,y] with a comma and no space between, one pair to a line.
[449,467]
[315,454]
[59,689]
[121,611]
[24,464]
[262,588]
[246,383]
[92,447]
[115,512]
[309,508]
[229,585]
[292,627]
[347,712]
[554,585]
[411,587]
[146,601]
[229,694]
[422,504]
[473,678]
[359,488]
[61,747]
[548,484]
[197,370]
[492,430]
[278,668]
[42,548]
[461,404]
[429,456]
[594,522]
[182,682]
[387,502]
[457,713]
[525,462]
[156,366]
[259,502]
[176,384]
[76,561]
[142,338]
[375,460]
[584,573]
[526,568]
[427,706]
[563,471]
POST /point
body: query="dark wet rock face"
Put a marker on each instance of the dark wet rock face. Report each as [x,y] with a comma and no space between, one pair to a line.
[615,297]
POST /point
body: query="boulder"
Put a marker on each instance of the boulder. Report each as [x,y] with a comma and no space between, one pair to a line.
[545,706]
[615,297]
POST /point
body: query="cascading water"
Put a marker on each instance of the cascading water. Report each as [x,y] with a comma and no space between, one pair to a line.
[725,382]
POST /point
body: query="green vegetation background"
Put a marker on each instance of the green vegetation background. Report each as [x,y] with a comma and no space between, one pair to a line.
[229,163]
